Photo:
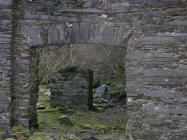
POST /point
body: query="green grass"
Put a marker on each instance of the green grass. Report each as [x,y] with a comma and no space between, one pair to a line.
[1,132]
[106,122]
[118,92]
[40,136]
[18,128]
[10,139]
[83,120]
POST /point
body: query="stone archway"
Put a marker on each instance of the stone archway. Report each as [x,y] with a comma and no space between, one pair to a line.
[33,35]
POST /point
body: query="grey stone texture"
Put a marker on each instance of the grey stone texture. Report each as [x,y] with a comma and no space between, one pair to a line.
[157,119]
[5,63]
[153,31]
[72,88]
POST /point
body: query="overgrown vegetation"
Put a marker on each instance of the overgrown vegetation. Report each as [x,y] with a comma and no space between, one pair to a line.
[40,136]
[68,69]
[18,128]
[118,93]
[105,123]
[107,63]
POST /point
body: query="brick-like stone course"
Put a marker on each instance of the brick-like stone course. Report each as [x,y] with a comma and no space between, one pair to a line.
[5,63]
[157,118]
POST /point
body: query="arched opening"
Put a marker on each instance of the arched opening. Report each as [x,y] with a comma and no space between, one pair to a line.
[107,63]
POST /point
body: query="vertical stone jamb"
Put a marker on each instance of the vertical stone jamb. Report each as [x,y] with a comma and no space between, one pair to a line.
[21,83]
[90,90]
[34,74]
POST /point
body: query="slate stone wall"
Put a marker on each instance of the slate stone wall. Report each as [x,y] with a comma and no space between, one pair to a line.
[5,62]
[154,33]
[157,119]
[156,60]
[112,23]
[72,88]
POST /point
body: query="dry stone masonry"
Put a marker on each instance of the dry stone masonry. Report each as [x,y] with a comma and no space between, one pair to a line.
[157,118]
[153,31]
[5,62]
[72,87]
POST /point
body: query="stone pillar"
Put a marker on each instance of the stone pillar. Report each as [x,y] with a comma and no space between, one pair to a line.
[5,62]
[26,79]
[22,79]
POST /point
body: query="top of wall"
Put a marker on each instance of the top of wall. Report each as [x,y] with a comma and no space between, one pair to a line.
[57,7]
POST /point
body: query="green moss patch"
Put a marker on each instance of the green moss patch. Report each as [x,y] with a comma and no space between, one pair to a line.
[104,122]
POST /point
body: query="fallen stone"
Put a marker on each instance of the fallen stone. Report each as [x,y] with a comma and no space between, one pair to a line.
[40,106]
[9,135]
[102,89]
[65,120]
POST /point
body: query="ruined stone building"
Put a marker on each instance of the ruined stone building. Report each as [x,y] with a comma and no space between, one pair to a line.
[154,32]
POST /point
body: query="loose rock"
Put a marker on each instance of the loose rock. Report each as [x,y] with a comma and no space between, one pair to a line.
[65,120]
